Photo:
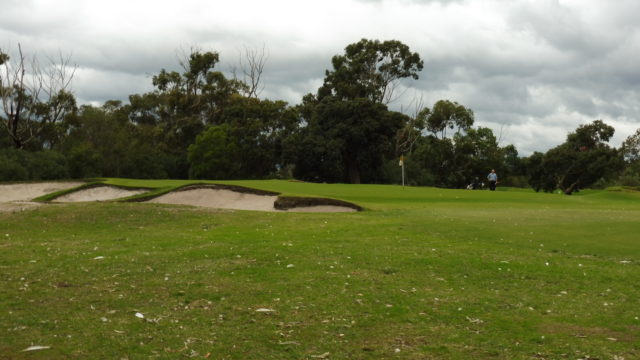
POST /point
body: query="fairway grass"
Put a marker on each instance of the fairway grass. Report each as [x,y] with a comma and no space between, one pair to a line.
[421,273]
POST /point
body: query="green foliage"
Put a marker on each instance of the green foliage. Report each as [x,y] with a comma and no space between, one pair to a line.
[214,155]
[12,166]
[102,142]
[34,99]
[84,161]
[631,148]
[346,137]
[16,164]
[347,132]
[630,151]
[369,69]
[581,161]
[447,115]
[196,124]
[182,105]
[458,161]
[249,143]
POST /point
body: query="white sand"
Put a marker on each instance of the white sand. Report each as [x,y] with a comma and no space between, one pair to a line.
[99,193]
[16,197]
[219,199]
[228,199]
[26,192]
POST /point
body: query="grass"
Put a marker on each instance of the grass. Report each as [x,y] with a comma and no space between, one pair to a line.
[421,273]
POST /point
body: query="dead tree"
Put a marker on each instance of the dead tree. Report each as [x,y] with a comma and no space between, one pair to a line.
[412,130]
[252,68]
[33,97]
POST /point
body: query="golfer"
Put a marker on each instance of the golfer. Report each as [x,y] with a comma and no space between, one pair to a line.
[493,179]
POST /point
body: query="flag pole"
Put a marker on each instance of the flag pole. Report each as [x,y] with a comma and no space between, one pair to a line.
[402,166]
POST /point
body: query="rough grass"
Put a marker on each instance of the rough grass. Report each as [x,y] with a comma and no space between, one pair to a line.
[422,273]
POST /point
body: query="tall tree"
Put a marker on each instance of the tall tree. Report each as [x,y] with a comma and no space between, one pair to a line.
[631,147]
[582,160]
[370,69]
[347,121]
[248,143]
[184,104]
[631,154]
[447,115]
[101,141]
[34,97]
[252,63]
[351,135]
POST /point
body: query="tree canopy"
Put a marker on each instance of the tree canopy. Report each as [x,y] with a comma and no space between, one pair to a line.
[200,123]
[370,69]
[579,162]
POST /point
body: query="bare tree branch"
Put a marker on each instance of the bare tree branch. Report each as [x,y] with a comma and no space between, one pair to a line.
[33,96]
[252,68]
[407,136]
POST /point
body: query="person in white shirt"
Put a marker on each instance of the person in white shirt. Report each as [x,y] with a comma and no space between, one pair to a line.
[493,179]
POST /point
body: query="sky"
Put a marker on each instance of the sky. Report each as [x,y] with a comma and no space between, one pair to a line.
[531,70]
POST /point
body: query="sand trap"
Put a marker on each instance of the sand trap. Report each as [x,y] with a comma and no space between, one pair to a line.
[229,199]
[99,193]
[219,199]
[29,191]
[16,197]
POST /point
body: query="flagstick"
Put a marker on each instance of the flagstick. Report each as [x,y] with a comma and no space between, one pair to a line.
[402,165]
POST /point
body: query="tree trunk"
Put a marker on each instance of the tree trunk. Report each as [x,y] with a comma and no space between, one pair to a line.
[352,168]
[17,140]
[571,188]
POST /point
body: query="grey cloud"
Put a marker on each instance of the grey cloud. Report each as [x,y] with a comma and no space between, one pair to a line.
[548,68]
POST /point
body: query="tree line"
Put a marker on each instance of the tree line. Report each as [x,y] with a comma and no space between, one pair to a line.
[199,123]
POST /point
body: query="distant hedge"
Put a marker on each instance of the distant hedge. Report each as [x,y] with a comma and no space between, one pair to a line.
[21,165]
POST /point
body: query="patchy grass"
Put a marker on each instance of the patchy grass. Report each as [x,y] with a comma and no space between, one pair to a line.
[422,273]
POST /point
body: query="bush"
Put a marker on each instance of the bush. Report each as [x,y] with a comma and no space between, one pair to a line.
[20,165]
[48,165]
[11,169]
[84,162]
[213,154]
[515,181]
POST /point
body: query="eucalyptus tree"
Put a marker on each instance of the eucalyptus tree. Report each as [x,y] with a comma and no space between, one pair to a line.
[631,153]
[183,104]
[347,120]
[370,69]
[584,158]
[447,114]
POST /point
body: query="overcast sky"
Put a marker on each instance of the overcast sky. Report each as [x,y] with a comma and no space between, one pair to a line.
[531,70]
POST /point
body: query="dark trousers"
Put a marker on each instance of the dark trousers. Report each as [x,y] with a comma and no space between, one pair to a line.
[492,185]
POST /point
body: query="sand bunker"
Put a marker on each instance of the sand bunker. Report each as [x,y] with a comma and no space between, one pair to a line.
[30,191]
[218,198]
[17,197]
[228,199]
[98,193]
